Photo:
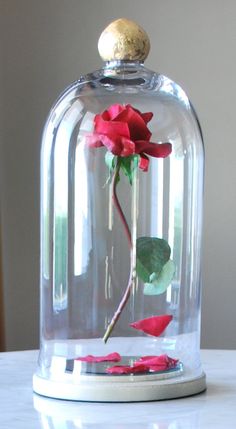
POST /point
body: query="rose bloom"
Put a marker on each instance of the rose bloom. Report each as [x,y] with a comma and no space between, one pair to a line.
[123,131]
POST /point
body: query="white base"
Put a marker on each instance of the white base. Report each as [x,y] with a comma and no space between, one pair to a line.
[133,390]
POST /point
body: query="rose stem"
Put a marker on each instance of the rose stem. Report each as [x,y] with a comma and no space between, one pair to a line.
[131,276]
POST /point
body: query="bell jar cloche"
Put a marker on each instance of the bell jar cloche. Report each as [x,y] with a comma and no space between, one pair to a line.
[121,223]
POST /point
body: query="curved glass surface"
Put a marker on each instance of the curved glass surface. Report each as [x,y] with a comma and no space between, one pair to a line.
[85,257]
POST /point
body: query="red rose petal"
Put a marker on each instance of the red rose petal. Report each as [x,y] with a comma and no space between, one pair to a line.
[112,143]
[119,369]
[123,369]
[137,127]
[128,147]
[105,115]
[139,368]
[112,357]
[154,325]
[156,368]
[117,128]
[93,140]
[161,150]
[143,162]
[140,146]
[147,116]
[114,110]
[154,362]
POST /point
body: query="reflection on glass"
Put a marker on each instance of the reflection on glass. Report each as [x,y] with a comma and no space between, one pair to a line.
[61,186]
[82,218]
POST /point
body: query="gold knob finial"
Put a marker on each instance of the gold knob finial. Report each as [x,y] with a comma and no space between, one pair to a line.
[123,40]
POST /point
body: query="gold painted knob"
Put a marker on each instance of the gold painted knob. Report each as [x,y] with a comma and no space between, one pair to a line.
[124,40]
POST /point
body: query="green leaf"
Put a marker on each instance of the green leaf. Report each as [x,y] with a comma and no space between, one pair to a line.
[110,161]
[152,255]
[158,283]
[135,161]
[128,165]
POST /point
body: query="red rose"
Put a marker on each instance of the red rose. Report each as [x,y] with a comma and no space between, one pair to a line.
[123,131]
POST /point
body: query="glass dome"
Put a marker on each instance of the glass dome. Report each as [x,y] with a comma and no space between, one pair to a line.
[121,220]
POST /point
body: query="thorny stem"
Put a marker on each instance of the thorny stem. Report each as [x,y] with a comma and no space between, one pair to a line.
[128,289]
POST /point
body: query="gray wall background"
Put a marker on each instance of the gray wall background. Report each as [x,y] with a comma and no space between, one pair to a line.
[49,43]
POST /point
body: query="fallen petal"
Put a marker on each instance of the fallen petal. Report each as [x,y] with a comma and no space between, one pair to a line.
[119,369]
[154,325]
[112,357]
[156,363]
[123,369]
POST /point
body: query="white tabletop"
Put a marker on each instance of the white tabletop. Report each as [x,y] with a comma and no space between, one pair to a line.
[216,408]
